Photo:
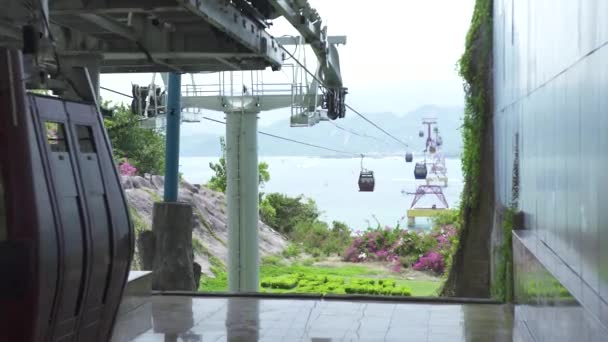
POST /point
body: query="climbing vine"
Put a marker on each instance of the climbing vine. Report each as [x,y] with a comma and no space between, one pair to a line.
[474,67]
[502,288]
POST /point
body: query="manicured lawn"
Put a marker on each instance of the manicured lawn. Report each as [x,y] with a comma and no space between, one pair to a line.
[280,278]
[422,288]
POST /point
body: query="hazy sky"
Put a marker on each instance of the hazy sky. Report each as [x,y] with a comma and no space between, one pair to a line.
[400,54]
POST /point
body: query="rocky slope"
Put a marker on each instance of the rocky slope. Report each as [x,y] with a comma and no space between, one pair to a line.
[210,231]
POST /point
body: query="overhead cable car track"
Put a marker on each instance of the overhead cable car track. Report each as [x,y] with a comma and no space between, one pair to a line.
[366,177]
[116,92]
[272,135]
[347,105]
[362,135]
[292,140]
[375,125]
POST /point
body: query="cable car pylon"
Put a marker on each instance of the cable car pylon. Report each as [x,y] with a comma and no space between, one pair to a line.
[438,172]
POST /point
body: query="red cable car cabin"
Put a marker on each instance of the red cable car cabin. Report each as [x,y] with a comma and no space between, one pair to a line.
[65,236]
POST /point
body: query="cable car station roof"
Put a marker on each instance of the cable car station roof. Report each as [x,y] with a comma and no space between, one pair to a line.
[155,35]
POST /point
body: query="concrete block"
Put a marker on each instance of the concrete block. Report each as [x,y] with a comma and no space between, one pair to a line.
[172,226]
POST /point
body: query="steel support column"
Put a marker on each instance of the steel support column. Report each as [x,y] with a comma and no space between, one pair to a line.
[242,195]
[172,137]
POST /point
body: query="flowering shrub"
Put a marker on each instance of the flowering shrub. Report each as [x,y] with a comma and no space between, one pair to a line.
[126,169]
[446,237]
[402,247]
[432,261]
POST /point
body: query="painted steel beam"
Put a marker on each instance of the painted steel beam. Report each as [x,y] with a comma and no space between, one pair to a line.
[158,30]
[309,24]
[219,13]
[132,56]
[110,25]
[239,27]
[292,40]
[310,29]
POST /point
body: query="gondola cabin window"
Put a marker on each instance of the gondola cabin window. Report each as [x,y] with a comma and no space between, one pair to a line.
[55,136]
[85,139]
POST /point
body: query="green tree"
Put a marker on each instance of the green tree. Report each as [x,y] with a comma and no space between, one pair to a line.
[144,148]
[219,182]
[289,211]
[263,173]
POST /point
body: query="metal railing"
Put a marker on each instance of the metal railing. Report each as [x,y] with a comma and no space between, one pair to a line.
[218,90]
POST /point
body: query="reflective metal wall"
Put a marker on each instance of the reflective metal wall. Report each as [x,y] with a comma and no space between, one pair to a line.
[551,87]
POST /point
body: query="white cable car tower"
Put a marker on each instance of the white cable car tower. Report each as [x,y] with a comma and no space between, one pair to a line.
[242,96]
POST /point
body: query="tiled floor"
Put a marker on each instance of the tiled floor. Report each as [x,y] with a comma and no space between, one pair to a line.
[176,318]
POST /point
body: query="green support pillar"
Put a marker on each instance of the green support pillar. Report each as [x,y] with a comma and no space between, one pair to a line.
[172,137]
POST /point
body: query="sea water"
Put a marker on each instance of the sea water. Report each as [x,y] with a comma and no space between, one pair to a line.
[332,184]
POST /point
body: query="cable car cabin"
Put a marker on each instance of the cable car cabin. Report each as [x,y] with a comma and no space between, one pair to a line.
[366,181]
[421,134]
[65,236]
[420,171]
[409,157]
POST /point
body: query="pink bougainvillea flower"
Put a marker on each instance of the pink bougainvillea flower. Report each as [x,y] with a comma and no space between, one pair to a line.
[126,169]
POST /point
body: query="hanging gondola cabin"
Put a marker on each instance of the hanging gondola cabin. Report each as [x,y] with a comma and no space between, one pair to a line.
[66,240]
[421,134]
[409,157]
[420,171]
[366,181]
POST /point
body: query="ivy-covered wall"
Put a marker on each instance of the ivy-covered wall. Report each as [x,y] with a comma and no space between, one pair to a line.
[469,274]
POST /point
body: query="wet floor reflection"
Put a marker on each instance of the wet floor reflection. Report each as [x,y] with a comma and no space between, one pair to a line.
[485,323]
[243,320]
[198,319]
[175,321]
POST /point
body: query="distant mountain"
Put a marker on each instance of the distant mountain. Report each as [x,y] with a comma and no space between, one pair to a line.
[351,134]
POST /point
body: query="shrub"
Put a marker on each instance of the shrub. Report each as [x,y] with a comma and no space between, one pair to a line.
[446,217]
[298,218]
[402,247]
[308,262]
[363,281]
[387,282]
[267,212]
[431,261]
[315,252]
[318,239]
[273,260]
[389,245]
[144,147]
[284,282]
[289,211]
[376,289]
[292,250]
